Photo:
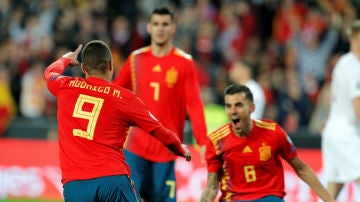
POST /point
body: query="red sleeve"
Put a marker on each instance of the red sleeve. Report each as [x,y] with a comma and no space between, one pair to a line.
[288,149]
[53,72]
[169,139]
[212,159]
[145,120]
[195,105]
[124,76]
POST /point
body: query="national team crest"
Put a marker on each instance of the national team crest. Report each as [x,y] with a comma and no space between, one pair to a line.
[171,77]
[265,152]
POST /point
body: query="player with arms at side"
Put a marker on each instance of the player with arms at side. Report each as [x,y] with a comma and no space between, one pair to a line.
[93,119]
[341,134]
[243,156]
[164,77]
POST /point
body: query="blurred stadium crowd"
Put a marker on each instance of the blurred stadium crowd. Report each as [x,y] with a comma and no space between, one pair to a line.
[290,45]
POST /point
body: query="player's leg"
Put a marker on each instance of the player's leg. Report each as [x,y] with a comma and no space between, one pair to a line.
[79,190]
[333,158]
[334,188]
[164,184]
[357,181]
[270,199]
[265,199]
[116,188]
[331,171]
[141,173]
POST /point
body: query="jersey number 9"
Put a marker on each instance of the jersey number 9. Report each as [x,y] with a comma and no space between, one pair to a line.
[92,116]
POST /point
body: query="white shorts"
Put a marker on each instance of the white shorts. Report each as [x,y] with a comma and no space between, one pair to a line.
[341,153]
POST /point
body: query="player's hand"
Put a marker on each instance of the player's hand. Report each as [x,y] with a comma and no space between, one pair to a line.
[73,56]
[187,154]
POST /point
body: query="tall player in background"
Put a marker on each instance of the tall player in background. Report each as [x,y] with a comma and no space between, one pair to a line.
[244,156]
[93,119]
[341,134]
[164,77]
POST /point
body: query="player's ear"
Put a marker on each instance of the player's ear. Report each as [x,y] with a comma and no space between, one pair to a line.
[111,67]
[148,28]
[83,69]
[252,108]
[173,28]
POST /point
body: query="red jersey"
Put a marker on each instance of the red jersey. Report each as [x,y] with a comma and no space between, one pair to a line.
[249,168]
[93,119]
[168,86]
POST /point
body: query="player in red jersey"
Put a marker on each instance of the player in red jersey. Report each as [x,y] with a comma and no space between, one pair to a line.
[244,156]
[164,77]
[93,119]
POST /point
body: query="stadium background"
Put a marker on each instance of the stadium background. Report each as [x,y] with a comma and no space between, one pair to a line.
[261,32]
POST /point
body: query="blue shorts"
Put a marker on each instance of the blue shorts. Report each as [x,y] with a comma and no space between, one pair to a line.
[155,181]
[116,188]
[265,199]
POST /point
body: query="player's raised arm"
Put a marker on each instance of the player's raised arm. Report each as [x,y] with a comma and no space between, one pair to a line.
[58,67]
[73,55]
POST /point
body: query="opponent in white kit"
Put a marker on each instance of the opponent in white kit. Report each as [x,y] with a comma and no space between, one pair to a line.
[341,135]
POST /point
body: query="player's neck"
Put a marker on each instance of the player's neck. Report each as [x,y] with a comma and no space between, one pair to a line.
[161,50]
[99,76]
[356,52]
[244,131]
[241,133]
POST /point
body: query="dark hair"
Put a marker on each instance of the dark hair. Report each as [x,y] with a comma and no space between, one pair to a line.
[238,88]
[96,56]
[354,29]
[162,11]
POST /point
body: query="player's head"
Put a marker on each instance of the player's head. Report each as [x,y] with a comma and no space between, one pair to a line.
[239,88]
[161,26]
[163,11]
[97,59]
[353,33]
[354,29]
[240,72]
[238,106]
